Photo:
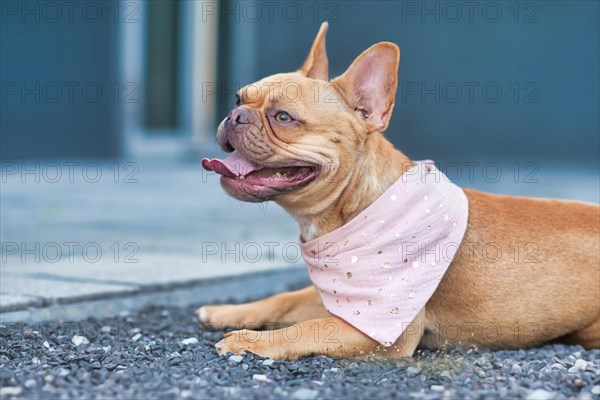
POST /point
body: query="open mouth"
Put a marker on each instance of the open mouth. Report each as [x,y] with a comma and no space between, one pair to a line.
[242,173]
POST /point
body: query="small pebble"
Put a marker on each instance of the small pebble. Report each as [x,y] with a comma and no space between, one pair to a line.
[541,394]
[260,378]
[305,394]
[10,391]
[188,341]
[29,383]
[236,359]
[136,337]
[80,340]
[413,370]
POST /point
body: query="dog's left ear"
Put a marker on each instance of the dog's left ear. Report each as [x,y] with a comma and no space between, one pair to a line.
[369,85]
[316,65]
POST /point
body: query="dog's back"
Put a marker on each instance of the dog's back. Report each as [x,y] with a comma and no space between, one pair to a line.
[528,271]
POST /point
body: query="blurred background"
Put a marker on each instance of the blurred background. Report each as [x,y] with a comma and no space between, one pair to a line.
[503,95]
[482,80]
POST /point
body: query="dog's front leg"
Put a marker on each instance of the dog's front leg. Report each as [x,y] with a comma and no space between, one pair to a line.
[330,336]
[284,308]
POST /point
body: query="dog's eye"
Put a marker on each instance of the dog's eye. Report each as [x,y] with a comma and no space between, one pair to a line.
[283,117]
[238,100]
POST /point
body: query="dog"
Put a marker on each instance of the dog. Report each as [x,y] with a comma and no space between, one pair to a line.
[315,146]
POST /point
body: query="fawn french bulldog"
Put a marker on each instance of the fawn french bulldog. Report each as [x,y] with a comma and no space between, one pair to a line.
[315,147]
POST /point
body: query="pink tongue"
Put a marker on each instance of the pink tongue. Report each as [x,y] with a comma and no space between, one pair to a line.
[235,165]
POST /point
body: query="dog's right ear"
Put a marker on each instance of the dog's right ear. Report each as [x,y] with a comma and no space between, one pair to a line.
[316,65]
[369,85]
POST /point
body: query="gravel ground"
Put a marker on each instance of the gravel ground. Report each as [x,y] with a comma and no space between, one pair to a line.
[160,353]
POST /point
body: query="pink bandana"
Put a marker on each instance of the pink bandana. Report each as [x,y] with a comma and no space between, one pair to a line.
[380,269]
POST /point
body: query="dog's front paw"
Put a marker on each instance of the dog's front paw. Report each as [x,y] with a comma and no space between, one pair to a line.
[227,316]
[257,342]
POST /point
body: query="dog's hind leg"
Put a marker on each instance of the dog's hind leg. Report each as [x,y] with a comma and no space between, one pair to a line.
[281,309]
[588,337]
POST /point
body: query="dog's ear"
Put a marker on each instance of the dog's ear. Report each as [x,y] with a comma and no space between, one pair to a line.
[316,65]
[369,85]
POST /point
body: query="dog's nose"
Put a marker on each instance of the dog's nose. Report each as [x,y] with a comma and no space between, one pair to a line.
[239,116]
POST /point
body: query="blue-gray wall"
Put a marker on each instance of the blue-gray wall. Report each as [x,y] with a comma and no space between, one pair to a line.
[542,55]
[58,68]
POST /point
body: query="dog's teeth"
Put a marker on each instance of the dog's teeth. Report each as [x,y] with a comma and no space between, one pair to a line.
[242,177]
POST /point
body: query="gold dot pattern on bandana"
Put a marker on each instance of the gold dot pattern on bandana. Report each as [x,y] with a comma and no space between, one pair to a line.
[388,271]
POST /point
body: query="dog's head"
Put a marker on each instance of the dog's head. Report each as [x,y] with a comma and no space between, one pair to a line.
[297,136]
